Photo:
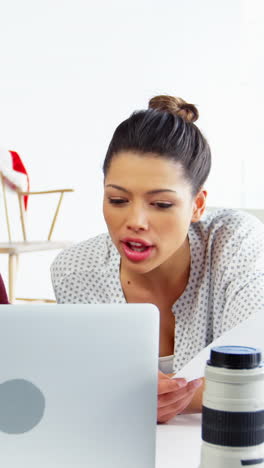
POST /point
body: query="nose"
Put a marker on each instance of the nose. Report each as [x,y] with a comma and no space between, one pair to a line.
[137,219]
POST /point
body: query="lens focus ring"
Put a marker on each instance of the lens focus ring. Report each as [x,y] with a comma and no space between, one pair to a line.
[233,429]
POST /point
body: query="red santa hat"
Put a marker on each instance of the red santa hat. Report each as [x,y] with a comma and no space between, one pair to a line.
[14,172]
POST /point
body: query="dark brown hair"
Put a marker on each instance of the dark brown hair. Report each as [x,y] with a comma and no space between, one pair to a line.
[165,129]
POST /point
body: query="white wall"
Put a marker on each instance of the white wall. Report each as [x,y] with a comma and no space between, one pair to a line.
[72,70]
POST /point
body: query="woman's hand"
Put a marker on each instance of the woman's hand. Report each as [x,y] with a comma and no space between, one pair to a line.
[174,396]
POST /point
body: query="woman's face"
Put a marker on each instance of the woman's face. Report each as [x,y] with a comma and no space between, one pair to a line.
[148,207]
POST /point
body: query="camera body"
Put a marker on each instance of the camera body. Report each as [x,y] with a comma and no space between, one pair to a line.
[233,409]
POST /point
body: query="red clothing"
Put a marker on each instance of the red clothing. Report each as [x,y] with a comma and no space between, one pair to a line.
[3,295]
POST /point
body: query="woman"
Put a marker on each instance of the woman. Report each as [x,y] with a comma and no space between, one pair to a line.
[205,274]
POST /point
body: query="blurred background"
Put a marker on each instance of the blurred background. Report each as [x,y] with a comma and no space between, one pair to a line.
[71,71]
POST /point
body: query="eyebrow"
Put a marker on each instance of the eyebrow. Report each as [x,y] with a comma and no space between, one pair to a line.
[150,192]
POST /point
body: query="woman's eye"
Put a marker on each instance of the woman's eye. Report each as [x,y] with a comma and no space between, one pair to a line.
[162,204]
[117,201]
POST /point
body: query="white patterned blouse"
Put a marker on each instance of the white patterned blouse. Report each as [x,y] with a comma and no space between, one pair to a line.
[226,282]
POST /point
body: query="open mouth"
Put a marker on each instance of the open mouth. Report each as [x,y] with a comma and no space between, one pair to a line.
[137,247]
[136,250]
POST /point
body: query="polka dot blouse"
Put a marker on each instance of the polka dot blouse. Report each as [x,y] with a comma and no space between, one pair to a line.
[226,282]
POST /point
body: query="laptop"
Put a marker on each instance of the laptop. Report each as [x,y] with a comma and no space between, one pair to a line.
[78,385]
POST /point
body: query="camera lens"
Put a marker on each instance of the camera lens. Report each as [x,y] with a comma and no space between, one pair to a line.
[233,408]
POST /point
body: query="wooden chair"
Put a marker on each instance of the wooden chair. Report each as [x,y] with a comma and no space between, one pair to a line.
[14,248]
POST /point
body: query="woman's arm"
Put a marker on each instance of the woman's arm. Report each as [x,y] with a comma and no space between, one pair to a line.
[242,282]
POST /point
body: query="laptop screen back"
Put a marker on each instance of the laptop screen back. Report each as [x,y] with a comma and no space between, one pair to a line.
[78,385]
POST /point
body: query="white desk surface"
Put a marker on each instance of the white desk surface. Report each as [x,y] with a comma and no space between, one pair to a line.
[178,442]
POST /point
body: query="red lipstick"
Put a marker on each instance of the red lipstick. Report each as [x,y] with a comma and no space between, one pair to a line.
[136,250]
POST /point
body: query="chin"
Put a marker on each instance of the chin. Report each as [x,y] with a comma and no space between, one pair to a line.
[138,267]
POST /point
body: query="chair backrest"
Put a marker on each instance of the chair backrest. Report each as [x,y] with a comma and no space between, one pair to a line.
[255,212]
[19,212]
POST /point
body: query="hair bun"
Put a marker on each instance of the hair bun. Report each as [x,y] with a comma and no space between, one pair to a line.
[175,106]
